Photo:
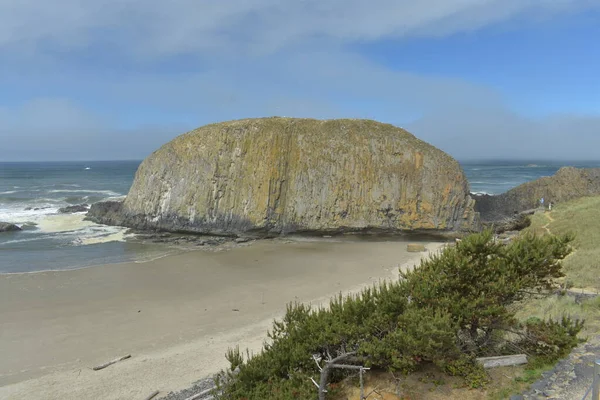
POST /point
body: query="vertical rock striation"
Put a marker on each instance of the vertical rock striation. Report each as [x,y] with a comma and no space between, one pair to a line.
[284,175]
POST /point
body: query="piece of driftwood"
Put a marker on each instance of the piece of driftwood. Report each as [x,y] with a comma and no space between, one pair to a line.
[151,396]
[99,367]
[201,394]
[503,361]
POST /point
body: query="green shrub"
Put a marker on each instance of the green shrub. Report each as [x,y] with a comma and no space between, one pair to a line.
[452,308]
[468,368]
[549,340]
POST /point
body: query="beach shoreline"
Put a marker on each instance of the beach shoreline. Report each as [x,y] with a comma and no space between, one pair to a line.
[176,315]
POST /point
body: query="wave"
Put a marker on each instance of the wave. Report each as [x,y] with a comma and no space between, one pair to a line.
[114,237]
[9,192]
[106,192]
[116,198]
[31,239]
[22,216]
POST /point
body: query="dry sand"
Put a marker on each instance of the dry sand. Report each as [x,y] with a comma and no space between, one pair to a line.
[176,316]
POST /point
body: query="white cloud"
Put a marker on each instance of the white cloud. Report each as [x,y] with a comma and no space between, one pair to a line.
[158,27]
[466,120]
[255,62]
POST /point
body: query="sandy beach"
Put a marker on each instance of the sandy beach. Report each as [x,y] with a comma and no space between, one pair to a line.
[176,316]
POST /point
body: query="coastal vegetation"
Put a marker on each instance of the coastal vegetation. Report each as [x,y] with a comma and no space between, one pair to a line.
[581,283]
[456,306]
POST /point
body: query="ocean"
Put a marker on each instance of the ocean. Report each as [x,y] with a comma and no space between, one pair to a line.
[32,193]
[496,177]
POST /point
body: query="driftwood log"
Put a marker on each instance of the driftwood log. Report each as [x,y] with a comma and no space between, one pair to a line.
[202,394]
[151,396]
[99,367]
[503,361]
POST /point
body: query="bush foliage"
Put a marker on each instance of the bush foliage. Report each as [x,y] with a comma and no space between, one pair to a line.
[452,308]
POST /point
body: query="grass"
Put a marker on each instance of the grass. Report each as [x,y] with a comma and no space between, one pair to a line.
[501,389]
[581,217]
[556,306]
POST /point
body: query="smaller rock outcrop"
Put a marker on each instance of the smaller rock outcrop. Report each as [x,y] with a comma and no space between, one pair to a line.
[8,227]
[567,184]
[107,213]
[74,209]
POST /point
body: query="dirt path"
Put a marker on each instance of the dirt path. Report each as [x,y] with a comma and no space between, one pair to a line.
[550,220]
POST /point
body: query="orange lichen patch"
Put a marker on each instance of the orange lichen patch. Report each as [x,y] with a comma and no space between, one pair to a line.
[418,160]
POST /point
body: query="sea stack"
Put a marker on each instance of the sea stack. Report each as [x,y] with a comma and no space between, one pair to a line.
[286,175]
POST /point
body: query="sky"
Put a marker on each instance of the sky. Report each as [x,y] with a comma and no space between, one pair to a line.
[479,79]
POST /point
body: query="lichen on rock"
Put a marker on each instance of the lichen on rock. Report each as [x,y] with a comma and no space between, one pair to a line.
[285,175]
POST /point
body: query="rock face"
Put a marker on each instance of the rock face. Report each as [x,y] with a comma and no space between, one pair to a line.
[284,175]
[567,184]
[8,227]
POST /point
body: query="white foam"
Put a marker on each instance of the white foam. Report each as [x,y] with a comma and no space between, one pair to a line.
[63,223]
[18,215]
[9,192]
[115,237]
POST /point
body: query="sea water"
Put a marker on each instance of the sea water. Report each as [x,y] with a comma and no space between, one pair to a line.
[32,193]
[496,177]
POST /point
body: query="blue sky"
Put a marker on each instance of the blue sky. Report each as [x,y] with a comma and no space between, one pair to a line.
[114,79]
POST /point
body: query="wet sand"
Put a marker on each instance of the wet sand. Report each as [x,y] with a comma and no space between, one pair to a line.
[176,316]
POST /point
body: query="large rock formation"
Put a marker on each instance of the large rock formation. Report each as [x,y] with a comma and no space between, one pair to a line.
[567,184]
[284,175]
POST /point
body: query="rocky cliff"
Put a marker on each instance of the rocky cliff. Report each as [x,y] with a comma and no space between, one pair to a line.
[568,183]
[284,175]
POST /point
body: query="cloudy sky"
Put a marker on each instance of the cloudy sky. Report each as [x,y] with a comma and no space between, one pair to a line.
[114,79]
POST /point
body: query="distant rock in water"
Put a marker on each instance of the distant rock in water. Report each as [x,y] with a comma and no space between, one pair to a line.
[567,184]
[284,175]
[74,209]
[8,227]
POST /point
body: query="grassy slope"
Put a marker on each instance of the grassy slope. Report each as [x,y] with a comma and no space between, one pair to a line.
[582,268]
[582,217]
